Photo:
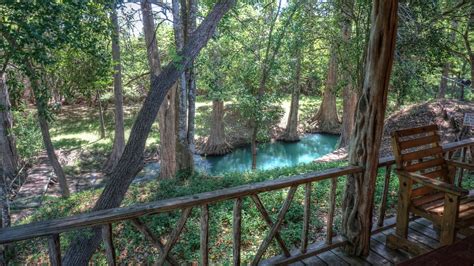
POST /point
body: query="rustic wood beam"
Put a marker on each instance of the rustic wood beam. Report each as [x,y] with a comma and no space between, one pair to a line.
[268,220]
[281,216]
[367,135]
[174,235]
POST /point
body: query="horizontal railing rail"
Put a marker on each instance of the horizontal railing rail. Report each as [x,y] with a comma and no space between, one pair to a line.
[105,218]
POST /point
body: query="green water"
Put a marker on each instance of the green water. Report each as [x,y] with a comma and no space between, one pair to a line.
[271,155]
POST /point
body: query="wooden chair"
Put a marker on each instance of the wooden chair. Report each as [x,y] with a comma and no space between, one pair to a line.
[427,188]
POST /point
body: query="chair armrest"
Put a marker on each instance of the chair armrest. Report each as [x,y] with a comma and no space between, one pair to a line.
[434,183]
[460,165]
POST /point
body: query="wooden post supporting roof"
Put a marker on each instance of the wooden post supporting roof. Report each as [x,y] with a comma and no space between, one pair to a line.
[364,149]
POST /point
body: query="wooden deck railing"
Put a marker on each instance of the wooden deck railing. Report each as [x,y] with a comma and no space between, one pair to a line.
[106,218]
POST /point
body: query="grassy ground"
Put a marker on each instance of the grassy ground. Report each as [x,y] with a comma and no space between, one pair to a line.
[133,248]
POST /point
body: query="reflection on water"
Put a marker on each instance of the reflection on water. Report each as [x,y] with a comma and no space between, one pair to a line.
[271,155]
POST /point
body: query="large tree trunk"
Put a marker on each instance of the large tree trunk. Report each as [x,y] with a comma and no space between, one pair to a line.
[7,139]
[364,150]
[191,75]
[82,248]
[349,94]
[167,112]
[326,120]
[291,130]
[119,138]
[443,83]
[184,155]
[216,143]
[8,159]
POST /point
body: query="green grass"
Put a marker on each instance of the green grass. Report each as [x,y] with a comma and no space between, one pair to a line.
[133,248]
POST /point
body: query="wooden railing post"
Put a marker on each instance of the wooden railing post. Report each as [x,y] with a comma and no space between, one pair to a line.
[204,247]
[383,204]
[54,250]
[109,244]
[332,207]
[306,216]
[236,230]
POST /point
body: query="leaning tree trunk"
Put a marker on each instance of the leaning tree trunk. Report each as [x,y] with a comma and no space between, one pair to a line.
[349,94]
[364,150]
[82,248]
[41,105]
[167,112]
[291,130]
[119,138]
[216,143]
[184,155]
[8,147]
[326,120]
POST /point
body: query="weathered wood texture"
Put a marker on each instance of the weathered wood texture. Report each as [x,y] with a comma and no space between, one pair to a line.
[428,187]
[106,217]
[364,149]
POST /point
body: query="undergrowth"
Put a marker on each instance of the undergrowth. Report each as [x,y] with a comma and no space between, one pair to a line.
[132,247]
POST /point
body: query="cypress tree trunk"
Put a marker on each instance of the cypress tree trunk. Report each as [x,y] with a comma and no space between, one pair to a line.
[191,75]
[82,248]
[364,149]
[291,131]
[326,120]
[167,112]
[8,159]
[216,143]
[443,83]
[7,139]
[119,138]
[349,96]
[184,156]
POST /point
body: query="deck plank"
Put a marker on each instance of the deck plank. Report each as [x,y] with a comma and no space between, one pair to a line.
[351,260]
[314,261]
[378,246]
[331,258]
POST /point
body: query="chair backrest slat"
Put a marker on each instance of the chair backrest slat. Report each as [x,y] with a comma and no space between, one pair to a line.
[419,150]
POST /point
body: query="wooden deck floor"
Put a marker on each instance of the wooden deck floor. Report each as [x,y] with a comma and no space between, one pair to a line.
[421,231]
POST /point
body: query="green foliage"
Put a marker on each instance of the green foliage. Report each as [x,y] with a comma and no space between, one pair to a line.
[135,249]
[27,134]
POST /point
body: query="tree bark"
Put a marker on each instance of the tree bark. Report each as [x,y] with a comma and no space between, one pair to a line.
[119,138]
[326,119]
[41,106]
[167,112]
[443,83]
[184,155]
[7,139]
[101,116]
[216,143]
[364,149]
[8,159]
[82,248]
[291,130]
[349,94]
[191,76]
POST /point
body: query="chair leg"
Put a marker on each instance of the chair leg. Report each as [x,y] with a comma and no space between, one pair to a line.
[448,224]
[401,231]
[403,214]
